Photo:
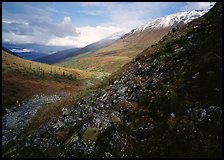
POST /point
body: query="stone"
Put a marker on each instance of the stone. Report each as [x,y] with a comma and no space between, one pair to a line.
[115,82]
[58,125]
[172,115]
[27,144]
[65,112]
[190,37]
[72,139]
[202,115]
[115,101]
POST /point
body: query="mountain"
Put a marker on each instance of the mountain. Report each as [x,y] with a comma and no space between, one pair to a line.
[114,56]
[164,23]
[167,102]
[172,20]
[32,51]
[8,51]
[62,55]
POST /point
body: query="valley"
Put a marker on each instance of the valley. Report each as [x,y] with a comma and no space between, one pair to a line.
[23,78]
[112,57]
[155,91]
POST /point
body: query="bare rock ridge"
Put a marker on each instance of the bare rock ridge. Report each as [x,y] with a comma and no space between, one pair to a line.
[164,103]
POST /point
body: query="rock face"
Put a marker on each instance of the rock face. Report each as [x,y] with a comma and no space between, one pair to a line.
[162,104]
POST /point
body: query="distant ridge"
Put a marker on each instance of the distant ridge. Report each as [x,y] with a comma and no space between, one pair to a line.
[7,50]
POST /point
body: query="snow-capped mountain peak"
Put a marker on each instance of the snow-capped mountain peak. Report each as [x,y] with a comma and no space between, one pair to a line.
[172,20]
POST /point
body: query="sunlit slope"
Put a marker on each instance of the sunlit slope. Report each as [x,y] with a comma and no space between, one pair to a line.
[13,63]
[21,79]
[114,56]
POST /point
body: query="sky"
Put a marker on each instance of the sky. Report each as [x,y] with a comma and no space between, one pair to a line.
[78,24]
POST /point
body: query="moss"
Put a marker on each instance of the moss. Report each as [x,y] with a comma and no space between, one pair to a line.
[91,134]
[116,120]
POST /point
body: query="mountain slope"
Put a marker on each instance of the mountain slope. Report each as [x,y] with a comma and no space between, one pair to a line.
[49,59]
[130,44]
[167,102]
[62,55]
[172,20]
[8,51]
[32,51]
[22,78]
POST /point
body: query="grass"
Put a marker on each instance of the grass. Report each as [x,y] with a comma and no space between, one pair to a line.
[23,78]
[10,62]
[95,63]
[113,57]
[21,82]
[167,141]
[53,111]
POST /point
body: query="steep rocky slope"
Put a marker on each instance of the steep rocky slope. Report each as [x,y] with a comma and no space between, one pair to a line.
[165,103]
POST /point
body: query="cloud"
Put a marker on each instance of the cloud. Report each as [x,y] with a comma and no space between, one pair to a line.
[64,29]
[64,41]
[96,3]
[87,35]
[49,33]
[128,15]
[17,28]
[39,24]
[197,6]
[90,34]
[53,10]
[92,12]
[37,31]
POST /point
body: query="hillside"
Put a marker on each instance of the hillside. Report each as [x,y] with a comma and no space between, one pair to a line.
[6,50]
[24,78]
[66,54]
[114,56]
[31,51]
[167,102]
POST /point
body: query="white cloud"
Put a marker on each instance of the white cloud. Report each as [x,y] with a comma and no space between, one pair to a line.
[90,34]
[197,6]
[92,12]
[95,3]
[48,33]
[128,15]
[54,10]
[36,31]
[65,28]
[39,27]
[67,20]
[62,41]
[87,35]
